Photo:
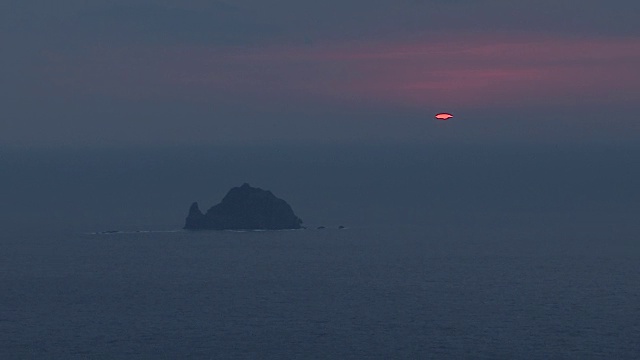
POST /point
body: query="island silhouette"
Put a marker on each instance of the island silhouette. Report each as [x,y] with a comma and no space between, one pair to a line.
[244,208]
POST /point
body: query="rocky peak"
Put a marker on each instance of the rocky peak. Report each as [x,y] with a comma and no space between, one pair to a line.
[245,208]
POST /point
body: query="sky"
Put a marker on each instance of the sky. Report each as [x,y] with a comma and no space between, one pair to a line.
[180,73]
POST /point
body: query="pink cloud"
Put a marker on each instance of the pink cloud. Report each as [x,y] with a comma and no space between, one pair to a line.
[461,72]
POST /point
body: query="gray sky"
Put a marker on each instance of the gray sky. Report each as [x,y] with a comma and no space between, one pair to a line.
[119,73]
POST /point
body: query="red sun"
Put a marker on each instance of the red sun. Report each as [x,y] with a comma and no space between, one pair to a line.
[444,116]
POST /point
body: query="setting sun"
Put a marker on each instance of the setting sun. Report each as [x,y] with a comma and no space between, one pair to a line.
[444,116]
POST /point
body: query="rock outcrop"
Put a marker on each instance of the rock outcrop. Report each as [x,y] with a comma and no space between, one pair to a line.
[244,208]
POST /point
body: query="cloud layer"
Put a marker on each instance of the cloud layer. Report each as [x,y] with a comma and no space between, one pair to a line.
[315,70]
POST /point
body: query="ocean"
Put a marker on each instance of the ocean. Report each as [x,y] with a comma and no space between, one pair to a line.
[401,281]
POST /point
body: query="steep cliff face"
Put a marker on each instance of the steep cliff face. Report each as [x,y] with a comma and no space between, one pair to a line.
[195,219]
[245,208]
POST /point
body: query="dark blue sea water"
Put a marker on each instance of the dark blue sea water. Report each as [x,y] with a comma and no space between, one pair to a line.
[446,290]
[468,252]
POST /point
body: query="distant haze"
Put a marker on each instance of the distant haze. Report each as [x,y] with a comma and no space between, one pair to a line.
[352,186]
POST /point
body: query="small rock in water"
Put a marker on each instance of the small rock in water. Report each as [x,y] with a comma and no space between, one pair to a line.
[244,208]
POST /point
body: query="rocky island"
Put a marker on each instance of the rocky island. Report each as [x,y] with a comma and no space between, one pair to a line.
[244,208]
